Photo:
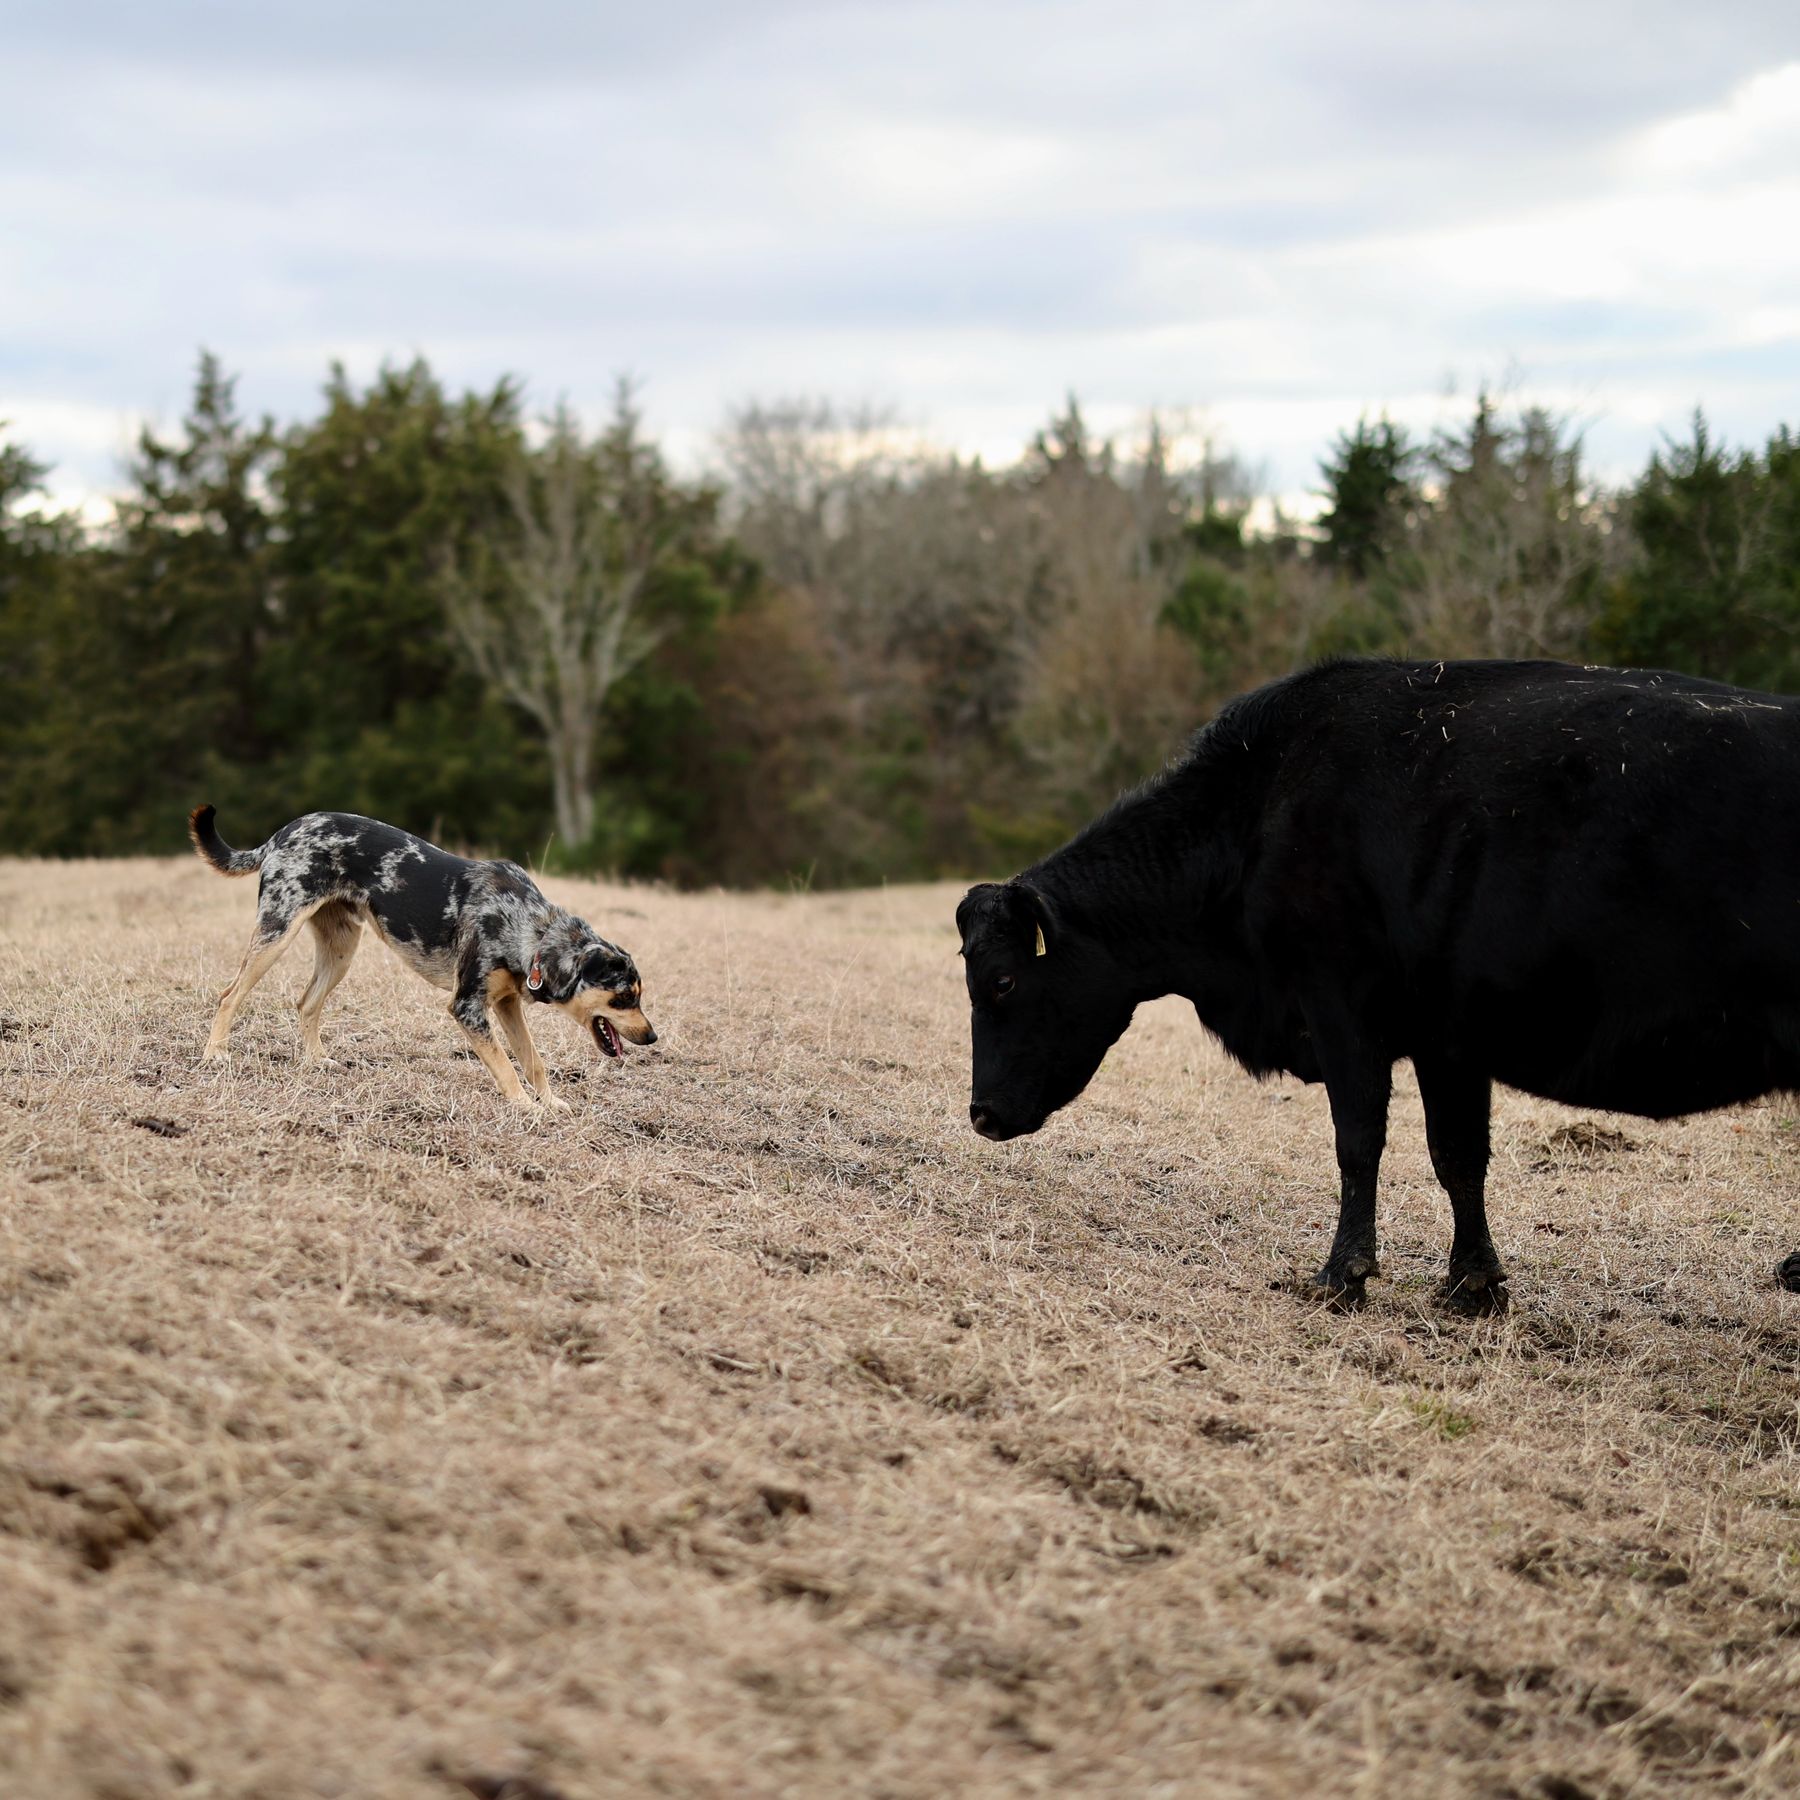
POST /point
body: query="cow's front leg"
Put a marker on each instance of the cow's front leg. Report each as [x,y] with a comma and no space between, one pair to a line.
[1359,1088]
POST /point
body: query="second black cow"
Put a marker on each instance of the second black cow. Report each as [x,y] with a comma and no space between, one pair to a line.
[1582,882]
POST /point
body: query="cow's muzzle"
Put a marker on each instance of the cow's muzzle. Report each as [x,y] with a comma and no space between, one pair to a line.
[990,1124]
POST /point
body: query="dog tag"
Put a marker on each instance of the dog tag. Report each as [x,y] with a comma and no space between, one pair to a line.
[535,979]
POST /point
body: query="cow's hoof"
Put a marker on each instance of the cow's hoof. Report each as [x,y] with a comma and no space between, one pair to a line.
[1787,1273]
[1343,1286]
[1475,1293]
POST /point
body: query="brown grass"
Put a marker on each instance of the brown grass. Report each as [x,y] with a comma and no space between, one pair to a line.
[755,1429]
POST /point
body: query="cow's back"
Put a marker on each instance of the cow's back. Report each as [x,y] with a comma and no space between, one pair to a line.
[1586,879]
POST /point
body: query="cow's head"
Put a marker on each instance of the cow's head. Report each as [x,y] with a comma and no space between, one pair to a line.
[1047,1001]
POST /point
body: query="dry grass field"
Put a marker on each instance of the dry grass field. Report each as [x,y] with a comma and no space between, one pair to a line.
[755,1429]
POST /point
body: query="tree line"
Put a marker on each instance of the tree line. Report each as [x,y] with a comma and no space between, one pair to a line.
[843,657]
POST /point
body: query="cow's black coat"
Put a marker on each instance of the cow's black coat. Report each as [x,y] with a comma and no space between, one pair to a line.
[1582,882]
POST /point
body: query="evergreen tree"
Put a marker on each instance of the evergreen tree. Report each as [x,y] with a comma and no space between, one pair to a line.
[27,569]
[1714,585]
[194,583]
[373,705]
[21,476]
[146,646]
[23,535]
[1369,483]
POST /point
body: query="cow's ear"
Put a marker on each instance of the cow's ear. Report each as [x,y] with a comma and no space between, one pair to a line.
[1043,919]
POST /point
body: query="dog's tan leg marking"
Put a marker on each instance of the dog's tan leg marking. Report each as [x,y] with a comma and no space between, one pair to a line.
[337,930]
[511,1016]
[259,959]
[482,1043]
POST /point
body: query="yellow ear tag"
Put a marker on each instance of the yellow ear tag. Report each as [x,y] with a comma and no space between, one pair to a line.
[1040,941]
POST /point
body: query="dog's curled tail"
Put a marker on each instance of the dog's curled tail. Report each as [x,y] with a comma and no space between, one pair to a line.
[213,849]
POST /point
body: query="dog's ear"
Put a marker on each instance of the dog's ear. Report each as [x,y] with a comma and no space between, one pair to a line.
[553,974]
[598,967]
[607,966]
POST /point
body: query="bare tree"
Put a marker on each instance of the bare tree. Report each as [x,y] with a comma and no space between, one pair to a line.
[1510,556]
[562,604]
[914,561]
[998,639]
[1106,685]
[797,468]
[1180,470]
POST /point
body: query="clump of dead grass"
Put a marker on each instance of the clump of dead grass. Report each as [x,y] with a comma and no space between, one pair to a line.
[755,1429]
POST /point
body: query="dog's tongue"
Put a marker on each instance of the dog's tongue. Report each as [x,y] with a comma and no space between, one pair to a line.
[606,1038]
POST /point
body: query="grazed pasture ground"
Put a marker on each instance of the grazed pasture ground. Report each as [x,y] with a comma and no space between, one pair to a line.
[756,1429]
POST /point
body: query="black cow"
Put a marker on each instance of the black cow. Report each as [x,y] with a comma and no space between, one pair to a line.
[1583,882]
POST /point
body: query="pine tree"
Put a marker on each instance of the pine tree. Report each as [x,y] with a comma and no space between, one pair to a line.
[151,641]
[1370,486]
[1713,587]
[369,697]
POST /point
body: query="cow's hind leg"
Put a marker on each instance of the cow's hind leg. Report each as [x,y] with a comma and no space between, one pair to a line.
[1458,1100]
[336,929]
[1359,1084]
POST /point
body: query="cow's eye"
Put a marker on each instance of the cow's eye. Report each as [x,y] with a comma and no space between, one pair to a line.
[1003,987]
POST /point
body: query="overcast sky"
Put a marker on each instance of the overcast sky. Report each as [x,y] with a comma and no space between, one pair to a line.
[1286,214]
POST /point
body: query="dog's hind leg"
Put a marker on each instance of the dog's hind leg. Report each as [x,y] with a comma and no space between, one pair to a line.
[271,937]
[337,930]
[511,1016]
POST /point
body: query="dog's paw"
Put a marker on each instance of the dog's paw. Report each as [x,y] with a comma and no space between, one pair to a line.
[555,1103]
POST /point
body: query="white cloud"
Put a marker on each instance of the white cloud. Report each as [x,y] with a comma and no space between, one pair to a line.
[1292,213]
[929,169]
[1757,128]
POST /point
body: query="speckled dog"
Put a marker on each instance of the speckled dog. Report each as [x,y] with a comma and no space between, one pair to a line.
[481,930]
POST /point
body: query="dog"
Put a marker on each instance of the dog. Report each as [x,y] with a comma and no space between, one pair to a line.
[480,930]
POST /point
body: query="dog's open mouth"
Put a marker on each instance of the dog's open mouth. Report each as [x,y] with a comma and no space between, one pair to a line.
[605,1037]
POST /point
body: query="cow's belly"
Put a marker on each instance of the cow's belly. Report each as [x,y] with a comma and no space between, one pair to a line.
[1660,1070]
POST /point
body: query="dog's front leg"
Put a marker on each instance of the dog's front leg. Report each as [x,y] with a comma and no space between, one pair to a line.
[469,1010]
[510,1015]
